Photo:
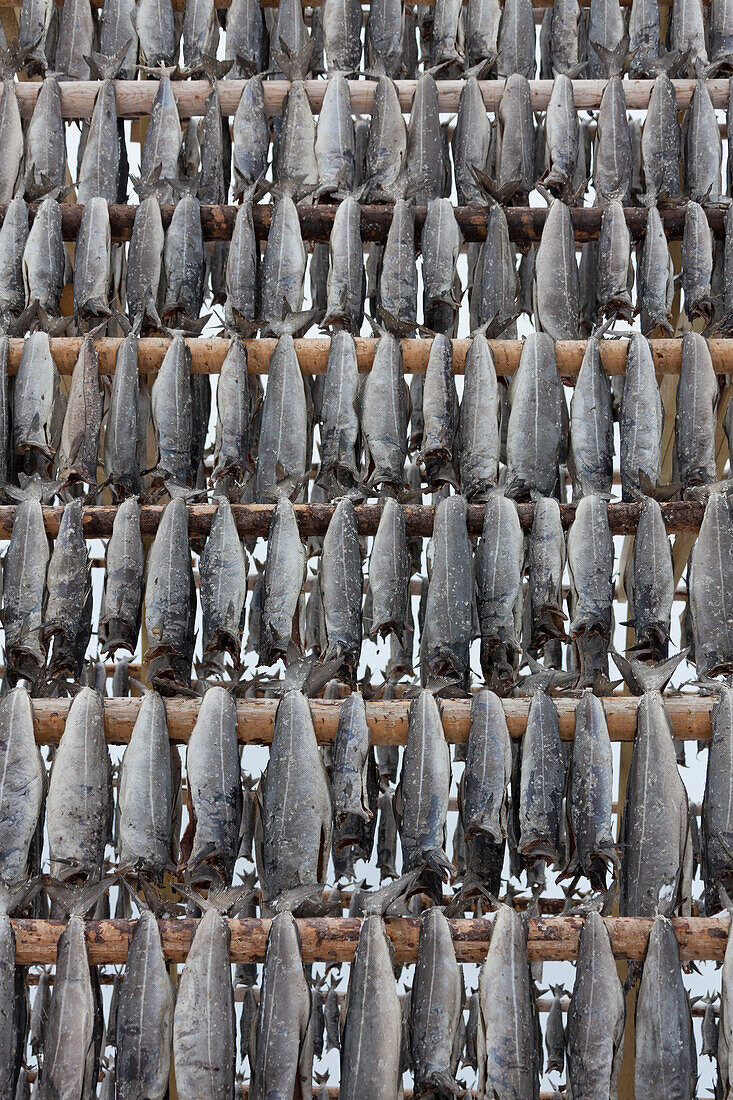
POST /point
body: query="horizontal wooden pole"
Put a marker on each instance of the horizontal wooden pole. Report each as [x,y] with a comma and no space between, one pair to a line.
[253,520]
[690,716]
[334,939]
[525,223]
[135,97]
[208,354]
[180,5]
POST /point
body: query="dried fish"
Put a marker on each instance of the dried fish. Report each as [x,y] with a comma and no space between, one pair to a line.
[535,429]
[172,414]
[711,566]
[596,1015]
[223,584]
[591,427]
[119,620]
[590,563]
[612,159]
[697,264]
[67,621]
[446,634]
[281,625]
[170,597]
[79,443]
[145,794]
[24,581]
[649,583]
[556,285]
[387,142]
[92,263]
[655,277]
[615,279]
[436,1006]
[23,785]
[640,431]
[385,413]
[495,288]
[354,781]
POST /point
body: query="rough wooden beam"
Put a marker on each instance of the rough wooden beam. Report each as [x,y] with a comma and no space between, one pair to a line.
[334,939]
[208,353]
[690,716]
[135,97]
[525,222]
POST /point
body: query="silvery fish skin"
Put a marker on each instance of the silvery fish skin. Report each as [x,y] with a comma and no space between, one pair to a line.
[79,803]
[612,159]
[290,39]
[69,1056]
[92,262]
[546,559]
[145,794]
[100,165]
[439,411]
[284,452]
[590,562]
[499,568]
[223,585]
[283,265]
[608,40]
[564,46]
[697,264]
[615,278]
[446,635]
[354,780]
[440,246]
[121,435]
[721,36]
[144,1022]
[341,22]
[214,175]
[397,306]
[13,237]
[116,31]
[157,33]
[587,290]
[23,785]
[649,583]
[716,819]
[661,143]
[341,587]
[293,831]
[170,593]
[11,136]
[535,429]
[478,422]
[45,146]
[445,34]
[665,1059]
[495,288]
[657,864]
[295,167]
[711,565]
[386,837]
[145,262]
[370,1044]
[383,38]
[515,172]
[641,432]
[725,1040]
[542,783]
[687,36]
[38,406]
[248,1027]
[76,37]
[423,793]
[280,623]
[556,284]
[231,449]
[172,413]
[34,23]
[483,790]
[555,1032]
[482,19]
[204,1025]
[200,34]
[423,164]
[591,427]
[472,135]
[703,150]
[39,1012]
[644,38]
[596,1016]
[590,793]
[655,277]
[436,1007]
[346,277]
[68,614]
[516,46]
[508,1038]
[250,134]
[340,447]
[5,427]
[79,443]
[119,621]
[24,579]
[183,261]
[284,1043]
[384,417]
[242,274]
[335,137]
[695,425]
[211,843]
[389,572]
[246,42]
[162,146]
[387,143]
[709,1031]
[563,139]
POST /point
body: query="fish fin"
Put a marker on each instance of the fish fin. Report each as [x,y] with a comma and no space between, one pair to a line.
[641,678]
[77,900]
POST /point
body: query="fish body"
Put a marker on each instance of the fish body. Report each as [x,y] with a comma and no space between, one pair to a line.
[13,237]
[661,143]
[121,435]
[384,417]
[446,634]
[615,279]
[346,283]
[640,431]
[354,781]
[478,423]
[92,262]
[284,452]
[24,580]
[591,426]
[423,165]
[340,430]
[515,172]
[145,794]
[534,432]
[389,572]
[183,261]
[695,424]
[99,175]
[542,783]
[170,594]
[341,587]
[335,137]
[562,132]
[436,1006]
[397,305]
[223,584]
[387,142]
[711,567]
[161,149]
[697,263]
[471,141]
[590,562]
[703,150]
[716,820]
[649,583]
[499,567]
[612,156]
[23,785]
[283,266]
[68,614]
[516,47]
[79,443]
[494,305]
[556,285]
[591,792]
[172,413]
[144,1028]
[45,147]
[68,1062]
[655,277]
[119,621]
[596,1016]
[280,625]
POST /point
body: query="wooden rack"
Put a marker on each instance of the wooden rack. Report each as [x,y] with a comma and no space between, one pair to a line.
[689,714]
